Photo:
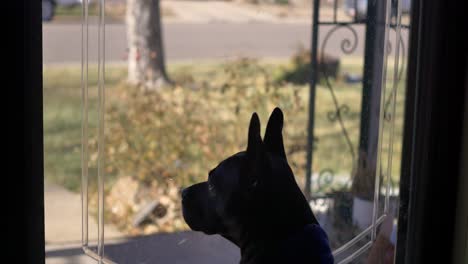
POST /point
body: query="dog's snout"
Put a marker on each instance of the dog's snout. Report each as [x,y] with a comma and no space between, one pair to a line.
[184,193]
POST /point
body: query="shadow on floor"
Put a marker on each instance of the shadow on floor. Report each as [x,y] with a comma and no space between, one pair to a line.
[175,248]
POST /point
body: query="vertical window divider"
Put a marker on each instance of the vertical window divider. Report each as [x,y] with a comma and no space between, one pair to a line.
[99,254]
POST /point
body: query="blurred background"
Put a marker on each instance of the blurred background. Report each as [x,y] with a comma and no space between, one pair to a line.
[182,79]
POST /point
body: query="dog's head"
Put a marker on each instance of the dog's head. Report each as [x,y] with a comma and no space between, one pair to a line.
[250,192]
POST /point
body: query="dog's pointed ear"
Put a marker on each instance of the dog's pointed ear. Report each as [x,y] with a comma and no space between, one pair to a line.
[273,139]
[256,157]
[255,147]
[254,144]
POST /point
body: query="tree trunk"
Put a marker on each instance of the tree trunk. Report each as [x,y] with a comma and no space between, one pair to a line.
[146,66]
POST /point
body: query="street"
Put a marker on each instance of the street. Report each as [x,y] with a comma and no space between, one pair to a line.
[186,42]
[62,42]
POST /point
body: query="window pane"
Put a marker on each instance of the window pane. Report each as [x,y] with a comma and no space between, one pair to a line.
[182,79]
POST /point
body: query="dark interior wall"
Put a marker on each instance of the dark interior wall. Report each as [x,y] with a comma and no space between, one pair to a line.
[31,216]
[461,226]
[435,99]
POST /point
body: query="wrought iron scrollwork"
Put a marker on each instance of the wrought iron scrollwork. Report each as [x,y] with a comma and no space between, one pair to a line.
[348,46]
[339,112]
[387,115]
[325,180]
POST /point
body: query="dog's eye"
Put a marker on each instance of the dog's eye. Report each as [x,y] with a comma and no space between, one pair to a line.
[254,184]
[211,188]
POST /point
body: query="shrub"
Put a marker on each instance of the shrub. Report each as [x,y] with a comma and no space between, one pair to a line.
[300,72]
[179,134]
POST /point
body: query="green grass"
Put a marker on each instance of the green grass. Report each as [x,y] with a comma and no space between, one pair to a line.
[62,121]
[75,10]
[62,117]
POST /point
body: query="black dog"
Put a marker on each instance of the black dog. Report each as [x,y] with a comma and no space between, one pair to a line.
[253,200]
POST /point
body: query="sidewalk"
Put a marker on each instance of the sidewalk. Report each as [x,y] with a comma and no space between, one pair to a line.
[63,217]
[63,239]
[62,210]
[216,11]
[226,12]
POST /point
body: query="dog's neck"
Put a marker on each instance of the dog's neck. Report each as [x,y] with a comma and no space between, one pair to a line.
[264,249]
[272,224]
[257,250]
[265,236]
[273,219]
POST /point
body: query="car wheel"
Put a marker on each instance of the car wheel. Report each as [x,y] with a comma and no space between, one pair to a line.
[47,10]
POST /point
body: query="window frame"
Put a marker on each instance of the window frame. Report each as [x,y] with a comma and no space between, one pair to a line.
[432,136]
[435,44]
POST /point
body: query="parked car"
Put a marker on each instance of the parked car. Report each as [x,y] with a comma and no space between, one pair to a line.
[361,7]
[48,10]
[48,7]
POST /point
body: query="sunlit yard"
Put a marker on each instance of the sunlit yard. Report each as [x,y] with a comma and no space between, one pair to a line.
[179,133]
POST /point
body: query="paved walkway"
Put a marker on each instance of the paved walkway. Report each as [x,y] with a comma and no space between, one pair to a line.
[216,11]
[63,217]
[62,210]
[228,12]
